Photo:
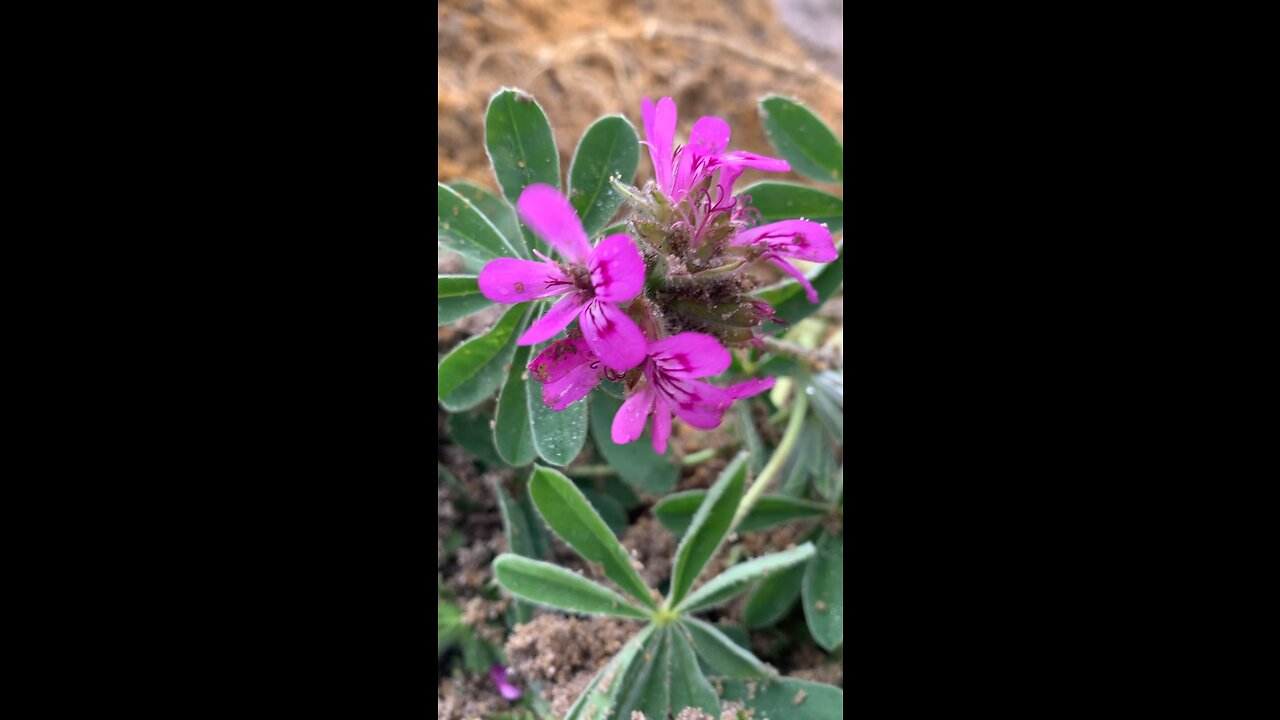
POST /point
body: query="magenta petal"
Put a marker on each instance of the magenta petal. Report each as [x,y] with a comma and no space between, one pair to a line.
[750,388]
[617,269]
[555,320]
[728,176]
[690,355]
[661,425]
[803,239]
[752,160]
[559,359]
[613,336]
[560,394]
[684,176]
[498,674]
[508,280]
[549,214]
[710,135]
[660,133]
[700,404]
[794,272]
[628,423]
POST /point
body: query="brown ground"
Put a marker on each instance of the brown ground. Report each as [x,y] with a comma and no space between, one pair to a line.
[590,58]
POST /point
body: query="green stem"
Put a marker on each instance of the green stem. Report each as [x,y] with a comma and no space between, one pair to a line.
[590,471]
[779,459]
[811,359]
[700,456]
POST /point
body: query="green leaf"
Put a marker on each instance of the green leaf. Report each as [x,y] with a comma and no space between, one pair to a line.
[609,149]
[636,462]
[565,509]
[511,432]
[520,539]
[804,141]
[689,687]
[449,627]
[541,541]
[499,212]
[616,229]
[554,586]
[520,534]
[722,653]
[521,146]
[613,487]
[457,296]
[710,525]
[828,401]
[785,201]
[750,434]
[647,685]
[558,436]
[462,228]
[788,298]
[823,593]
[736,579]
[773,598]
[473,434]
[676,511]
[787,698]
[473,370]
[599,698]
[610,510]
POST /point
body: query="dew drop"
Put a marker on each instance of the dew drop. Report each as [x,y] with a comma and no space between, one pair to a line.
[808,391]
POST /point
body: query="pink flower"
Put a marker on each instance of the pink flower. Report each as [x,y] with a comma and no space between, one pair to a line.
[678,170]
[568,370]
[595,280]
[506,689]
[803,239]
[668,386]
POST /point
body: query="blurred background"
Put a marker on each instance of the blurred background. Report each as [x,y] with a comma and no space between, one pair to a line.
[585,58]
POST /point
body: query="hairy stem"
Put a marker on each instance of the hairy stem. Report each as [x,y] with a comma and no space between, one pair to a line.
[779,459]
[812,359]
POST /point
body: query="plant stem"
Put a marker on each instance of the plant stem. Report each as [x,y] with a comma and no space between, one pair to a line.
[779,459]
[700,456]
[812,359]
[590,471]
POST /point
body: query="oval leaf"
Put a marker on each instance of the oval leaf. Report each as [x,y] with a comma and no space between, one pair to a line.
[521,146]
[473,370]
[499,212]
[458,296]
[722,653]
[558,436]
[554,586]
[512,435]
[773,598]
[609,149]
[462,228]
[823,593]
[784,201]
[710,525]
[636,462]
[787,698]
[736,579]
[567,512]
[805,141]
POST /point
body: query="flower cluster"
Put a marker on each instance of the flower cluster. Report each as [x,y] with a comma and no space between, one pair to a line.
[659,316]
